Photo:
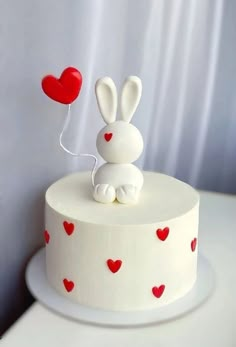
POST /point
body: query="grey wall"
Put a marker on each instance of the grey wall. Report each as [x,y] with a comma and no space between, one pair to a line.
[185,54]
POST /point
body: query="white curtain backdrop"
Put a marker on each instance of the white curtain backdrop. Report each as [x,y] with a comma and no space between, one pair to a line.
[184,52]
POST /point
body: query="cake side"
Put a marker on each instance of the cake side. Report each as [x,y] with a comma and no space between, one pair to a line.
[142,264]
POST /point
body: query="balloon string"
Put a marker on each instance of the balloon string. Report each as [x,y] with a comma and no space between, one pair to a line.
[65,126]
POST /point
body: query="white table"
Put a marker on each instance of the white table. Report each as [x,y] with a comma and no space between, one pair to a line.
[213,324]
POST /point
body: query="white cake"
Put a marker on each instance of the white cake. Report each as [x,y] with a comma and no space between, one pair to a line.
[118,238]
[117,256]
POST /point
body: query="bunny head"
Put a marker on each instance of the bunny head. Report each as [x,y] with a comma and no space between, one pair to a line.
[119,142]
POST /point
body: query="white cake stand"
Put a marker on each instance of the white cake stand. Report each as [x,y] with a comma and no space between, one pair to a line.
[38,285]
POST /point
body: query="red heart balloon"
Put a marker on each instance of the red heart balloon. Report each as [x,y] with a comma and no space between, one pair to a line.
[64,89]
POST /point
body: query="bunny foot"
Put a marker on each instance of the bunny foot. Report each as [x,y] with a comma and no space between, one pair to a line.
[127,194]
[104,193]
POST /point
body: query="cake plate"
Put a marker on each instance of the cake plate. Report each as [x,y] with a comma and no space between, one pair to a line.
[38,285]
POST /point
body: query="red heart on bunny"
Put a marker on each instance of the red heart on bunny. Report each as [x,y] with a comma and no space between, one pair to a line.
[64,89]
[108,136]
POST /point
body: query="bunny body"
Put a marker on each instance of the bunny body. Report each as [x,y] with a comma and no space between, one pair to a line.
[119,143]
[118,175]
[123,181]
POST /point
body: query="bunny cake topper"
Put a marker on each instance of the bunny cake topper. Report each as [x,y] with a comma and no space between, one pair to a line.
[119,143]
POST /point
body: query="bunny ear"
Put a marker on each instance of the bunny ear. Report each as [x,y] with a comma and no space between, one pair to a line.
[130,97]
[106,94]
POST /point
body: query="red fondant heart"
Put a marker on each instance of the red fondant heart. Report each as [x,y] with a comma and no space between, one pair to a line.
[114,265]
[158,291]
[69,285]
[64,89]
[46,236]
[108,136]
[69,227]
[163,233]
[193,244]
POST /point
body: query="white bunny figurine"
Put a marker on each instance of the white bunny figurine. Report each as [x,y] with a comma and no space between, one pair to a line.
[119,143]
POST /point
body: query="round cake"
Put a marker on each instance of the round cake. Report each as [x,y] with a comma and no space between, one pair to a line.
[118,256]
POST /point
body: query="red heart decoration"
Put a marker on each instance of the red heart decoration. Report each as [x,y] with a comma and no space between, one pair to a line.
[64,89]
[114,265]
[69,227]
[158,291]
[46,236]
[193,244]
[162,233]
[108,136]
[69,285]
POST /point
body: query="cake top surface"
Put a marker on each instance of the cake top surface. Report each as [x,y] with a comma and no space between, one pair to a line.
[163,198]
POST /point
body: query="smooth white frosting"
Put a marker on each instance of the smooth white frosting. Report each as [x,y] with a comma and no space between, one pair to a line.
[124,232]
[163,198]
